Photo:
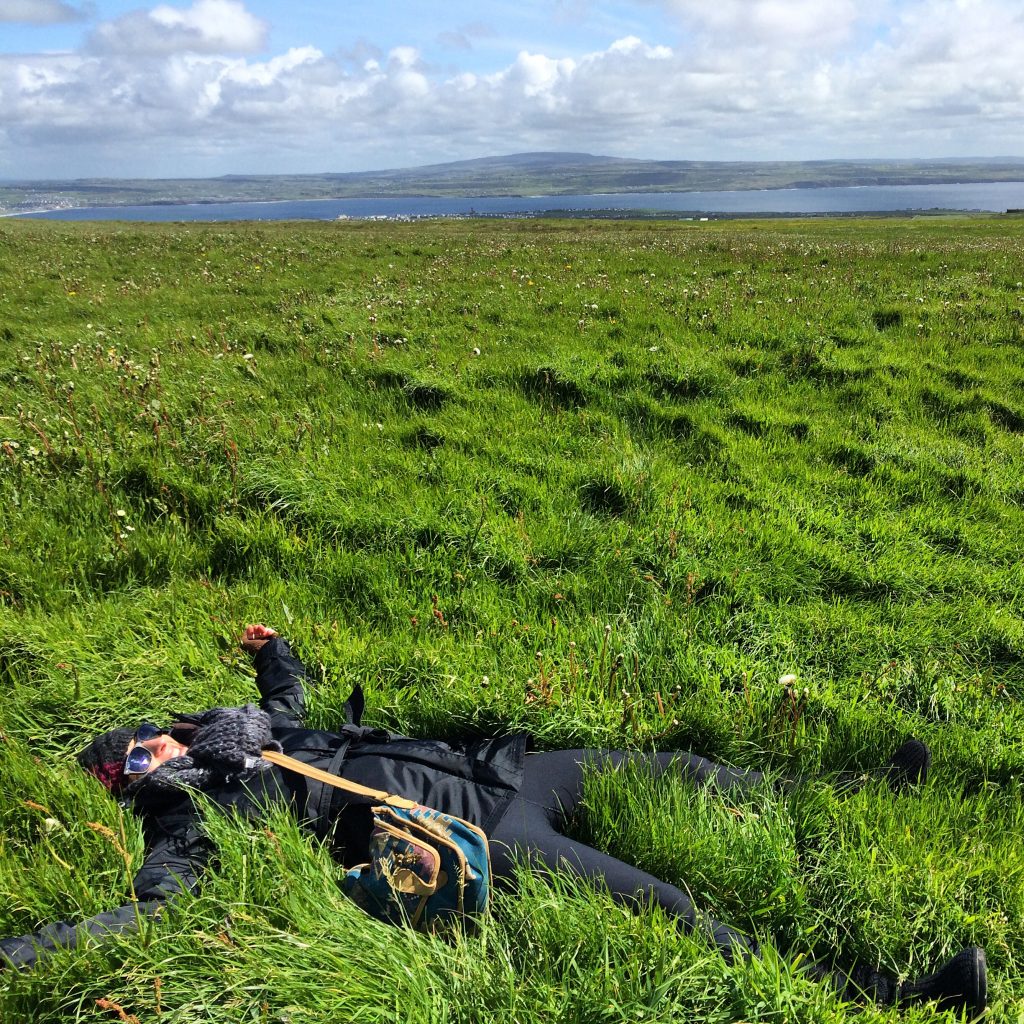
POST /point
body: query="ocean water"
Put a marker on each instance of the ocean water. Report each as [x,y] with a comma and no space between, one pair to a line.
[989,196]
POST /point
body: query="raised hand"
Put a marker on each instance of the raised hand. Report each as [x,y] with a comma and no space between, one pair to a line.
[255,636]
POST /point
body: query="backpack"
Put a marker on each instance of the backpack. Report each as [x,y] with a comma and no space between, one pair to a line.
[427,868]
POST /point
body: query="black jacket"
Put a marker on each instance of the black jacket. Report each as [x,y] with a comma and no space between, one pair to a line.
[476,783]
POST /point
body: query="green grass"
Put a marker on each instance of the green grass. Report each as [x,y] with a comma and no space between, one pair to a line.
[686,460]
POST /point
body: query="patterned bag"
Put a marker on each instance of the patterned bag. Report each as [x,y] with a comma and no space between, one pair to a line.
[426,868]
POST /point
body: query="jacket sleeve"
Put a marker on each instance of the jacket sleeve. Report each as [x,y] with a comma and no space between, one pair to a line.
[178,851]
[281,679]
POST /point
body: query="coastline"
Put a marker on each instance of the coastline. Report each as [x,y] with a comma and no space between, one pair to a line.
[832,200]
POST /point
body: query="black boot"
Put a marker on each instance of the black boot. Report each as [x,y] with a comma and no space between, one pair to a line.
[866,985]
[859,984]
[959,984]
[908,767]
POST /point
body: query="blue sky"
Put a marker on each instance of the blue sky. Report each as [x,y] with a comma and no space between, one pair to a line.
[201,87]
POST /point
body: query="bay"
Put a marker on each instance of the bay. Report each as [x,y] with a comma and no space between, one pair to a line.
[987,197]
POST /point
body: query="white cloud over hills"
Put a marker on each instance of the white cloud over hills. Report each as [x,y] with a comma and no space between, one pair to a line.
[194,89]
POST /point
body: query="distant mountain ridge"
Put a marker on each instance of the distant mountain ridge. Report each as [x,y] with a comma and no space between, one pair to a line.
[580,173]
[536,173]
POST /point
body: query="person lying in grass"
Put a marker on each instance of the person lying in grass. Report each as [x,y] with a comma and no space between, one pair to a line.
[521,800]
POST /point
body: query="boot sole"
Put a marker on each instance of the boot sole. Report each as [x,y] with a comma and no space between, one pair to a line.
[975,1001]
[980,1001]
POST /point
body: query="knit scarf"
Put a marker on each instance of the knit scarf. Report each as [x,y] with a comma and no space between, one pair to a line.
[227,744]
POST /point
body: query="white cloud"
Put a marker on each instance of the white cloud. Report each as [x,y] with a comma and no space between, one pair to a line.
[633,45]
[462,38]
[208,26]
[404,56]
[38,12]
[534,75]
[951,68]
[454,41]
[823,23]
[175,83]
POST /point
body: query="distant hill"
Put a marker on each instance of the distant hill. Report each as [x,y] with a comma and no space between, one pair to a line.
[514,174]
[581,173]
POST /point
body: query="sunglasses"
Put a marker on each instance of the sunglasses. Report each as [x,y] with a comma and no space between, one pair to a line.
[139,759]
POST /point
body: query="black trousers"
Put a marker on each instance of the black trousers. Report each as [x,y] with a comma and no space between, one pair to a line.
[531,831]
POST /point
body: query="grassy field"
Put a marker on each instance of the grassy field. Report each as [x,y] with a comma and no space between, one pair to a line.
[604,482]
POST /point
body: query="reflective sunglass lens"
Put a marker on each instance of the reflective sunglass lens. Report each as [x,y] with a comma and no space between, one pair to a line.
[138,761]
[147,731]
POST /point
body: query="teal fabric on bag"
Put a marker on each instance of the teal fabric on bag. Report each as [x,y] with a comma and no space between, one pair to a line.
[426,868]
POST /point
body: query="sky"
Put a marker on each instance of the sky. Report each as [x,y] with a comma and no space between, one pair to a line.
[108,88]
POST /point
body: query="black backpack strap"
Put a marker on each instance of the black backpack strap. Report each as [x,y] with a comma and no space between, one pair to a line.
[354,706]
[323,821]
